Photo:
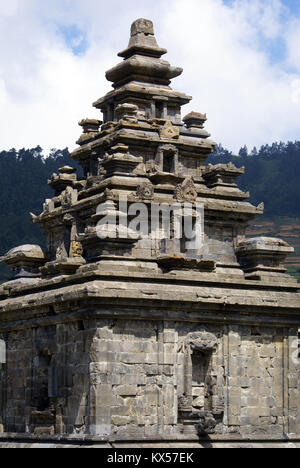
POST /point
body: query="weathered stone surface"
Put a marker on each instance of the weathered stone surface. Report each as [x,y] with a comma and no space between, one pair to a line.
[143,341]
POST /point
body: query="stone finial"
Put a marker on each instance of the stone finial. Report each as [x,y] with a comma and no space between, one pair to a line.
[222,175]
[33,252]
[120,161]
[195,119]
[24,261]
[91,128]
[262,243]
[67,170]
[142,40]
[127,112]
[194,122]
[90,125]
[142,26]
[264,258]
[66,177]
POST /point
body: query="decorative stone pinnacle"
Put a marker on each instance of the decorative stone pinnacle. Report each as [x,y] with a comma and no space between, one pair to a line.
[67,170]
[142,40]
[66,177]
[127,112]
[24,261]
[195,119]
[142,26]
[90,125]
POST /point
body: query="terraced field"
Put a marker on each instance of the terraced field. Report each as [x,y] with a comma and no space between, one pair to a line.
[285,228]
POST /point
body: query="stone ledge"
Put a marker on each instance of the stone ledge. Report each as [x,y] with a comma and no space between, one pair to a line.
[124,302]
[138,277]
[176,446]
[72,438]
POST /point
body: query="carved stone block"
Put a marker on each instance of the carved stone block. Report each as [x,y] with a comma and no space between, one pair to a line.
[145,191]
[186,191]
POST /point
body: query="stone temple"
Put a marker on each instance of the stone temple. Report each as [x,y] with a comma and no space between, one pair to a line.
[122,340]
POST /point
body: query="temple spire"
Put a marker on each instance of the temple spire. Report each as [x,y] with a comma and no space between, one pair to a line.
[142,40]
[142,62]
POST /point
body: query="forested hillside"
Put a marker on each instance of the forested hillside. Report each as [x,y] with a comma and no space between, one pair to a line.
[272,176]
[23,189]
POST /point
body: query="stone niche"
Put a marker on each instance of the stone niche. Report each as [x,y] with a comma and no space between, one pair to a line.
[201,404]
[126,378]
[146,370]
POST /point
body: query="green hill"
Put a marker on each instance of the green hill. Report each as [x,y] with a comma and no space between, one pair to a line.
[272,176]
[23,189]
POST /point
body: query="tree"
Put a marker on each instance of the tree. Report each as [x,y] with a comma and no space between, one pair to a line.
[243,153]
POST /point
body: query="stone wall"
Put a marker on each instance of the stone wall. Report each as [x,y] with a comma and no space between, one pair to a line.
[15,377]
[128,378]
[263,381]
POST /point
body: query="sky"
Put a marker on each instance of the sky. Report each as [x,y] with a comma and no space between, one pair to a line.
[241,61]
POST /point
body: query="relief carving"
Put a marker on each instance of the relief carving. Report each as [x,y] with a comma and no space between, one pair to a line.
[184,403]
[151,167]
[76,249]
[206,423]
[203,342]
[169,130]
[145,191]
[186,191]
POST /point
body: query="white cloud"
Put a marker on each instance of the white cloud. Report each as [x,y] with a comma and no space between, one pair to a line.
[3,93]
[8,8]
[292,37]
[248,100]
[45,89]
